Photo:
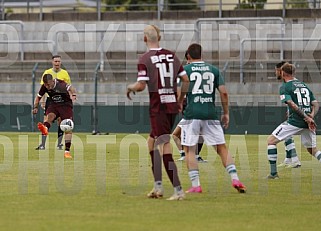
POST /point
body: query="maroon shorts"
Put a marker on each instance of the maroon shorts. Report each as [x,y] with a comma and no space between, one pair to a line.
[64,111]
[161,125]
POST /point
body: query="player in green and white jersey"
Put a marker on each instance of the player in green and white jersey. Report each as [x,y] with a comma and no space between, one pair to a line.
[177,132]
[201,118]
[291,159]
[302,107]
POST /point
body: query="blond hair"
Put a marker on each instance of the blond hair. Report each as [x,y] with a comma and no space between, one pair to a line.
[152,33]
[288,69]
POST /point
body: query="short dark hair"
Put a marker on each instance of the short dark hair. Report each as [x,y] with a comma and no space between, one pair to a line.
[195,51]
[46,78]
[288,69]
[55,56]
[280,64]
[186,53]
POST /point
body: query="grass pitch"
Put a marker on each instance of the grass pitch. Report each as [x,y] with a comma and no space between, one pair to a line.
[104,188]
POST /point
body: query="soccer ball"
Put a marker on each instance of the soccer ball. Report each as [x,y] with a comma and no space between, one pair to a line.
[67,125]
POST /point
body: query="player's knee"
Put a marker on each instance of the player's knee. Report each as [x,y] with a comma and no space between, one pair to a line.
[312,151]
[272,140]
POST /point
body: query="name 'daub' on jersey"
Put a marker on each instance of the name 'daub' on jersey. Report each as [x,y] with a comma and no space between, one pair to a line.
[165,72]
[200,68]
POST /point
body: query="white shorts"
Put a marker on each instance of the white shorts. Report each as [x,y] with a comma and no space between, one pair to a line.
[181,122]
[210,130]
[285,130]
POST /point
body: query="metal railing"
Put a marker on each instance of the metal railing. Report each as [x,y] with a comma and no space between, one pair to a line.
[95,108]
[28,42]
[101,51]
[21,32]
[102,32]
[242,80]
[160,6]
[225,68]
[33,76]
[199,22]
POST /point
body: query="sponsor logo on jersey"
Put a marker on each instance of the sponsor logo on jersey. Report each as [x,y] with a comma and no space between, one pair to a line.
[202,100]
[167,98]
[282,97]
[306,109]
[166,91]
[57,99]
[142,73]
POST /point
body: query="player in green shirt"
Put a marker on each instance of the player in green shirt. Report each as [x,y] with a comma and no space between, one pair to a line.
[302,107]
[291,160]
[201,118]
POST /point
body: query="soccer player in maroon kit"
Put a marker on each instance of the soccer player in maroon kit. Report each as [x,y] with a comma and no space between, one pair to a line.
[62,95]
[159,68]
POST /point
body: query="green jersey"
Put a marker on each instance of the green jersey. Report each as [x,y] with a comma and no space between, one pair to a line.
[302,96]
[204,79]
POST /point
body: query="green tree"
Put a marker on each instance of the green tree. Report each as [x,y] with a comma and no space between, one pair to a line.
[297,4]
[182,5]
[128,5]
[252,4]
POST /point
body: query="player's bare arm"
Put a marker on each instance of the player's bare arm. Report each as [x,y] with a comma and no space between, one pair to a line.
[36,104]
[315,108]
[72,93]
[309,120]
[298,110]
[135,87]
[224,101]
[183,91]
[43,102]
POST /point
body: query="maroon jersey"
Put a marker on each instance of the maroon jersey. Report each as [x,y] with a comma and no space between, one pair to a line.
[59,94]
[160,68]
